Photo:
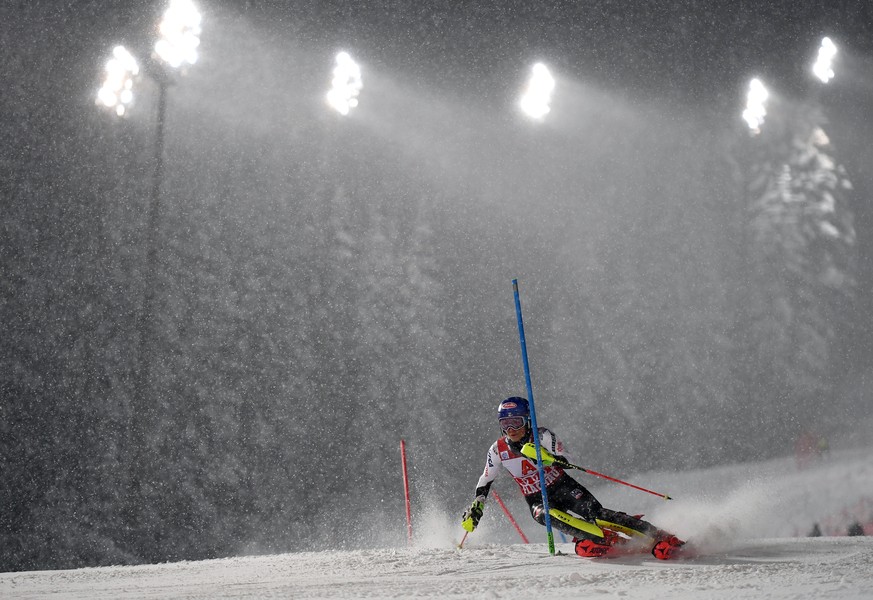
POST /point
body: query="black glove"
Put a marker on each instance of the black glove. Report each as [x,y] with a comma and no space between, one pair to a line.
[472,515]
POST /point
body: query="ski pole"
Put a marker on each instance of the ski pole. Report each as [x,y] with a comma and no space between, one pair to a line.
[596,474]
[463,539]
[530,451]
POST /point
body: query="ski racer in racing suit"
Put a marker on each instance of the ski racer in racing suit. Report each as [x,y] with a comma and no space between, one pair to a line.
[595,533]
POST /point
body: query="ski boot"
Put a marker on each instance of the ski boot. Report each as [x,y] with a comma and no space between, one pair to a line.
[667,547]
[590,548]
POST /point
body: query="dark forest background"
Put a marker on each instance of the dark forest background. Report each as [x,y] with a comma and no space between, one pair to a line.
[693,294]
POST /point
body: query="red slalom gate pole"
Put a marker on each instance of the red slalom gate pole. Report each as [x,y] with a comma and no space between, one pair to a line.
[509,515]
[406,492]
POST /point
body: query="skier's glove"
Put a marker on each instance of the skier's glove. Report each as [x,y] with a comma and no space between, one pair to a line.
[473,514]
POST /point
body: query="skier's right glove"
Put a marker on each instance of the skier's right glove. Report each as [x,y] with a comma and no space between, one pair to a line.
[473,514]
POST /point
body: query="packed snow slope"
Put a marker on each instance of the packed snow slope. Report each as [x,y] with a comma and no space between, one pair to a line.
[748,523]
[779,568]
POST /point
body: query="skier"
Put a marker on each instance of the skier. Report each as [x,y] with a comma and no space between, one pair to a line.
[595,533]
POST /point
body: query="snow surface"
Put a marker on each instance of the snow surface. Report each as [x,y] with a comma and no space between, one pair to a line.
[748,521]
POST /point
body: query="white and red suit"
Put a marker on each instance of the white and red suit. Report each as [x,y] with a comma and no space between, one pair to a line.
[564,492]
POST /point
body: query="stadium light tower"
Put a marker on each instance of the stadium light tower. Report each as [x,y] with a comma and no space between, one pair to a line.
[537,97]
[346,84]
[823,66]
[177,46]
[179,37]
[755,111]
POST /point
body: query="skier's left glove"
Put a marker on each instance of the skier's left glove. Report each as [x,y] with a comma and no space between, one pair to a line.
[472,515]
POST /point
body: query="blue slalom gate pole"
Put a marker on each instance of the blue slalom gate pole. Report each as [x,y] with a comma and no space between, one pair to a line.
[533,418]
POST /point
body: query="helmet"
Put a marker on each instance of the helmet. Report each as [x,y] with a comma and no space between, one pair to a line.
[513,407]
[514,415]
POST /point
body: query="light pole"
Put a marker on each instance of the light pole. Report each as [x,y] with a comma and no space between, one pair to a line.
[342,97]
[146,317]
[179,38]
[177,46]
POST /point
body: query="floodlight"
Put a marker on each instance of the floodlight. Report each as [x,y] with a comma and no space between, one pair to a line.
[346,84]
[755,111]
[538,95]
[117,89]
[180,34]
[823,67]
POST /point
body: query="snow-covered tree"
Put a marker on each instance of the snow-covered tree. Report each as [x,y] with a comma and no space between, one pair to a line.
[799,261]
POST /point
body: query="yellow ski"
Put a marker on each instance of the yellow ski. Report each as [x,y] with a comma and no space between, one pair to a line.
[616,527]
[575,522]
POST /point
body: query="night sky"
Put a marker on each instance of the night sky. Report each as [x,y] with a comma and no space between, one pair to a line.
[678,48]
[687,49]
[695,52]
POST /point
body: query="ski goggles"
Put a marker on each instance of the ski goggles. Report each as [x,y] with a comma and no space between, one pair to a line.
[507,423]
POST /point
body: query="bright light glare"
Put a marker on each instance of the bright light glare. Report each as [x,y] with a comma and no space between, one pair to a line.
[180,34]
[755,111]
[536,100]
[346,84]
[823,67]
[117,89]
